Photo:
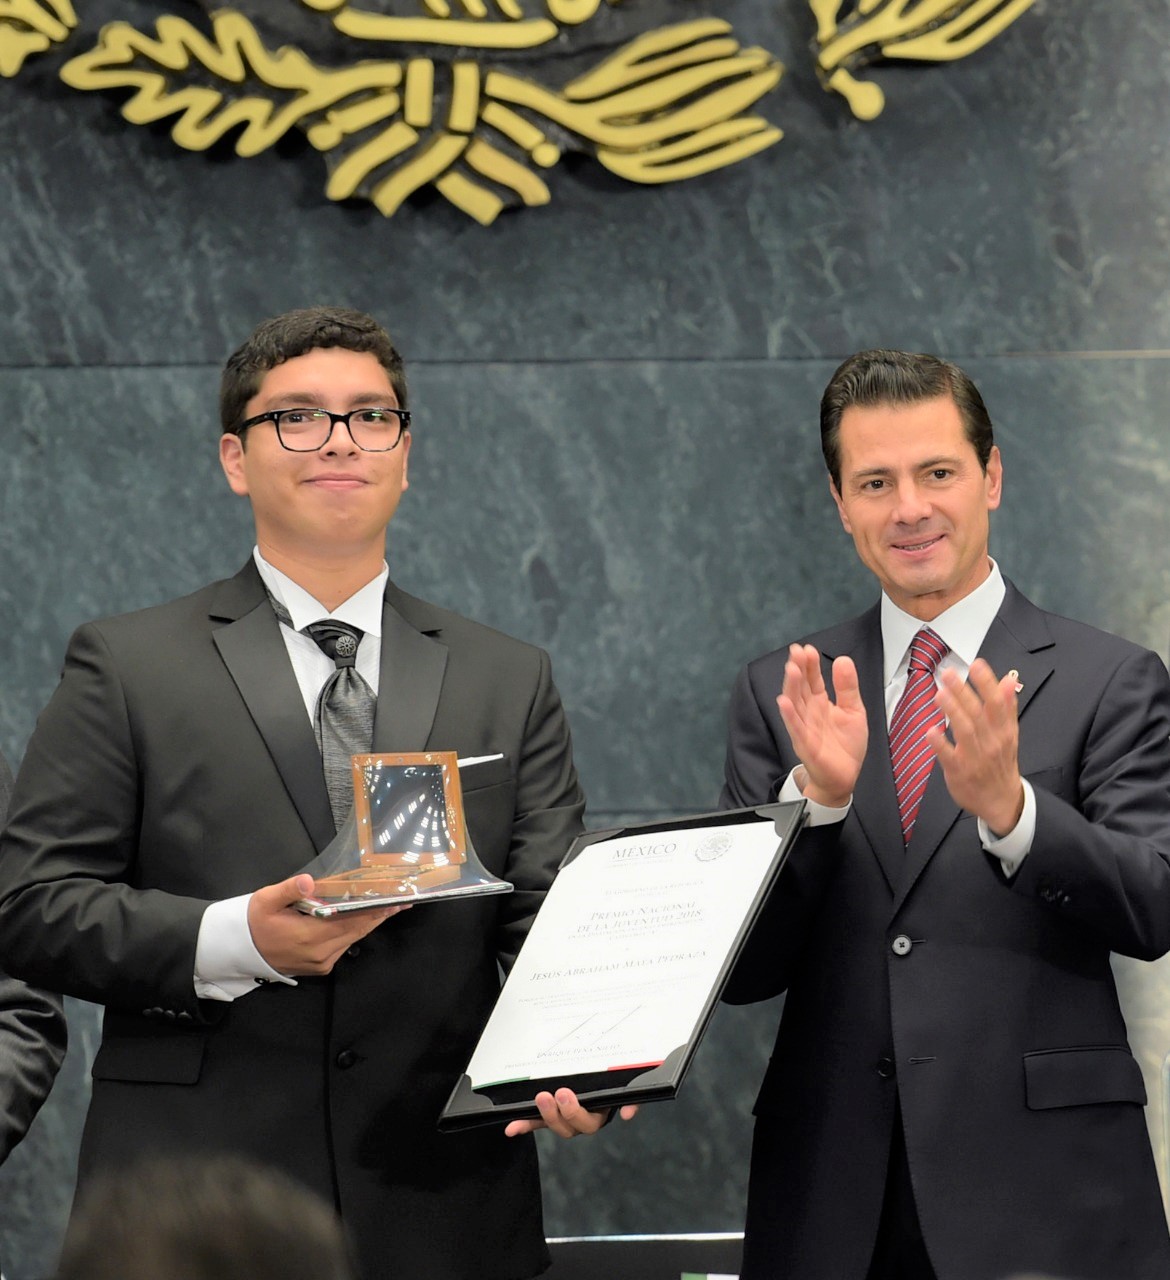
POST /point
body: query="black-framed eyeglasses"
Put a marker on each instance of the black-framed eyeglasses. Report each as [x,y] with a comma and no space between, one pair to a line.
[376,430]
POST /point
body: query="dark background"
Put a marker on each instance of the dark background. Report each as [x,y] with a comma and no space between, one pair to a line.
[615,451]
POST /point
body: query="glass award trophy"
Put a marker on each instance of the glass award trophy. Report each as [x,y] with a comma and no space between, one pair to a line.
[405,839]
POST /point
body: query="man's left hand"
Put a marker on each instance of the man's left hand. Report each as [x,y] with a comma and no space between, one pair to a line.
[981,764]
[564,1115]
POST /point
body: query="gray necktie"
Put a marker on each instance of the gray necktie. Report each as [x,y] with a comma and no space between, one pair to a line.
[343,719]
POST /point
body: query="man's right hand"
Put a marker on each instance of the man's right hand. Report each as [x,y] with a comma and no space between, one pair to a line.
[299,945]
[829,738]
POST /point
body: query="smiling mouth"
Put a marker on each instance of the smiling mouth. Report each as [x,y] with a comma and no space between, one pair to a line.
[917,546]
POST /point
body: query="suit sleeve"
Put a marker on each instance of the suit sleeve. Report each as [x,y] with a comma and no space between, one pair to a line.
[71,917]
[33,1037]
[1101,853]
[549,811]
[753,771]
[759,759]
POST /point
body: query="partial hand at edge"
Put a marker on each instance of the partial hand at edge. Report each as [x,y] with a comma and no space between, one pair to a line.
[829,738]
[298,945]
[565,1116]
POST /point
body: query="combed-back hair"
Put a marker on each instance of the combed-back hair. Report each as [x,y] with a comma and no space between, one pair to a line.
[879,377]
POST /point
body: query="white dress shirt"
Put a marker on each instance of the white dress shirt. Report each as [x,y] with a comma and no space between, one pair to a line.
[227,964]
[962,628]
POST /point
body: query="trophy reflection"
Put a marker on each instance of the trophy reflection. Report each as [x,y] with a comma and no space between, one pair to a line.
[405,839]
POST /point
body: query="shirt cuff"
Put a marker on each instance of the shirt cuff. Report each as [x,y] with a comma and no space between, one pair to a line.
[227,964]
[1012,849]
[819,815]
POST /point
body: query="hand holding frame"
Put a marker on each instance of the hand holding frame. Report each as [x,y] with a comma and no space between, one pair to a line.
[563,1113]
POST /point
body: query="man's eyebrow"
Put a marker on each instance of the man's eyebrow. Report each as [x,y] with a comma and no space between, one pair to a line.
[927,464]
[316,400]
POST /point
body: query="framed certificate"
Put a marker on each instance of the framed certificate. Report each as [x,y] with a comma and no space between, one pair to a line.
[619,976]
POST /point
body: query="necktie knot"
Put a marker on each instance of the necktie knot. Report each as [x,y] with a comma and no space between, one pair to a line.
[343,719]
[337,640]
[926,651]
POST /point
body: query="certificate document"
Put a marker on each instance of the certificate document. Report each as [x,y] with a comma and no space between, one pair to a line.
[625,961]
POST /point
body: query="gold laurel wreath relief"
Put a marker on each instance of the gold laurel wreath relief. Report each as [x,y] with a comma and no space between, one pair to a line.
[667,106]
[31,26]
[670,104]
[917,30]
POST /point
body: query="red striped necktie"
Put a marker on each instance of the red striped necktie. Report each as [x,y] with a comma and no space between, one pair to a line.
[914,717]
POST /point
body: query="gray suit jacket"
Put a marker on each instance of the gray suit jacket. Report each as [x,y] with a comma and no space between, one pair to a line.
[985,1007]
[32,1038]
[176,765]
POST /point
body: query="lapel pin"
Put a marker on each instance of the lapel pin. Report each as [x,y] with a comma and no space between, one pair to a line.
[1015,675]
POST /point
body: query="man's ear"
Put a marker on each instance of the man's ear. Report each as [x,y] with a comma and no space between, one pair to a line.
[231,458]
[994,475]
[840,505]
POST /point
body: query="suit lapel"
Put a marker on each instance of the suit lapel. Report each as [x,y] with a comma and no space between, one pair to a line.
[1017,640]
[411,674]
[251,648]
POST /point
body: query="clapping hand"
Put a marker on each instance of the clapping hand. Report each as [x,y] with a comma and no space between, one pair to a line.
[980,760]
[829,738]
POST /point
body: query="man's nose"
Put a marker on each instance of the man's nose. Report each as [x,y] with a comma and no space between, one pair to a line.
[911,505]
[340,440]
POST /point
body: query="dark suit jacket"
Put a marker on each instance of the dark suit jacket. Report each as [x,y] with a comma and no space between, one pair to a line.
[985,1006]
[32,1038]
[176,765]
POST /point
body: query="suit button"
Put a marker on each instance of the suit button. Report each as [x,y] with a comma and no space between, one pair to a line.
[901,945]
[354,951]
[885,1068]
[345,1059]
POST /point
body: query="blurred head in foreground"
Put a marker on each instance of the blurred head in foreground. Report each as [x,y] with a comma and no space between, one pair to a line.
[202,1218]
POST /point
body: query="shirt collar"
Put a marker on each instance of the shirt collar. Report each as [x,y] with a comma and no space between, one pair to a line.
[962,627]
[362,610]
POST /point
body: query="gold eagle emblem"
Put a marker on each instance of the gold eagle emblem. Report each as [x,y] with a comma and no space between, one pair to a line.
[396,101]
[480,98]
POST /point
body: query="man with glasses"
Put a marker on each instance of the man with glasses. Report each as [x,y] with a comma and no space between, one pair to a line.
[174,787]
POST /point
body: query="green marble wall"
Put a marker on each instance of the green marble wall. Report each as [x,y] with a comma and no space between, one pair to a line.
[615,452]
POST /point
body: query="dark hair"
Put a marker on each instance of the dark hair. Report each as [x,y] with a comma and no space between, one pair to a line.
[213,1217]
[872,378]
[295,333]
